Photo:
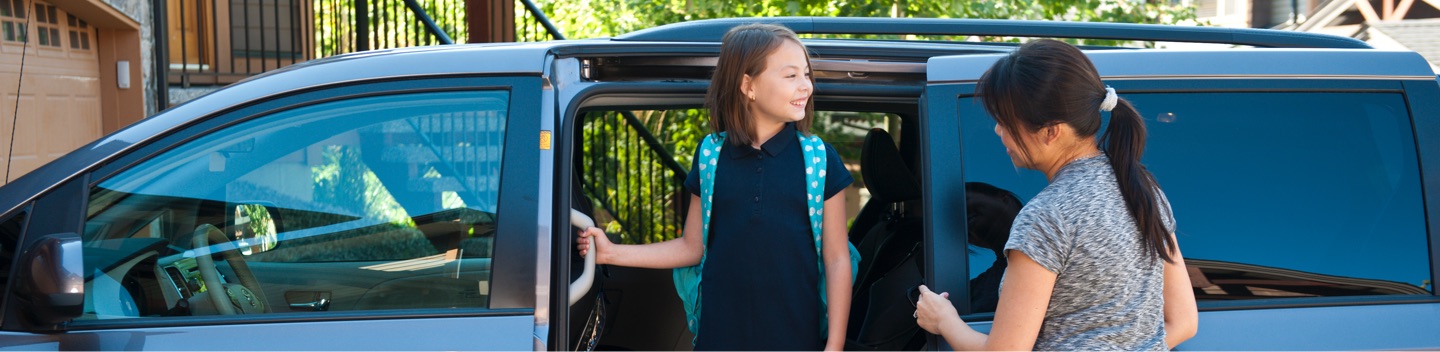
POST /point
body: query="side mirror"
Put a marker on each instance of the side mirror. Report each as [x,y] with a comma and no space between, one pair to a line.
[254,229]
[53,279]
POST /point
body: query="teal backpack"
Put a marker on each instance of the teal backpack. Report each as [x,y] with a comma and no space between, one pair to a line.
[687,279]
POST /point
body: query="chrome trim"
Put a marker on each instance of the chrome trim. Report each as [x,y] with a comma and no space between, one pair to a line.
[868,66]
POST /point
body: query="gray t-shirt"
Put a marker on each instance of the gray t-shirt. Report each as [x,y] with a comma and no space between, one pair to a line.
[1109,294]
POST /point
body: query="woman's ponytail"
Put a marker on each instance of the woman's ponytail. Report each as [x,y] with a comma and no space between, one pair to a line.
[1124,143]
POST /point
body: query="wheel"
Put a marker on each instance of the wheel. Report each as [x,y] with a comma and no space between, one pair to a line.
[246,297]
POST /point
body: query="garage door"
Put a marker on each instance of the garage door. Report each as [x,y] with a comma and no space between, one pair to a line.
[59,95]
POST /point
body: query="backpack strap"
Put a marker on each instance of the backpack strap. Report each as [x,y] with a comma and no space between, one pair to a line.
[709,159]
[687,279]
[815,166]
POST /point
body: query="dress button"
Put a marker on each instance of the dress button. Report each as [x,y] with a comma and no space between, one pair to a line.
[757,199]
[759,169]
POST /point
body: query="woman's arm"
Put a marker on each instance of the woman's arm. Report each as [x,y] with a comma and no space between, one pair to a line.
[679,252]
[835,246]
[1024,297]
[1181,318]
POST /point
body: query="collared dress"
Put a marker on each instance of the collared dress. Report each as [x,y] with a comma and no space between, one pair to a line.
[761,277]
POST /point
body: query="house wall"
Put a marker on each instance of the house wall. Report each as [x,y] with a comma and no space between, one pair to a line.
[141,11]
[1224,13]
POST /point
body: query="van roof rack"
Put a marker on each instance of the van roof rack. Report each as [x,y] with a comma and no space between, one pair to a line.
[714,29]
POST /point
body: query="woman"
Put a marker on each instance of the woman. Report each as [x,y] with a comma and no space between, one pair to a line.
[762,278]
[1093,262]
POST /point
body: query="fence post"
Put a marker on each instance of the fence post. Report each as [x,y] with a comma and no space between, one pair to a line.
[429,23]
[161,34]
[362,25]
[490,21]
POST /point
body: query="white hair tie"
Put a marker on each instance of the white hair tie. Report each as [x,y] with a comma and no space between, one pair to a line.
[1110,99]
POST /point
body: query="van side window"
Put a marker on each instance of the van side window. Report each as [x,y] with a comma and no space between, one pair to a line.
[380,202]
[1276,194]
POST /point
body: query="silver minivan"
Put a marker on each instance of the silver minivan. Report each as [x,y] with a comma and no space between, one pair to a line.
[423,199]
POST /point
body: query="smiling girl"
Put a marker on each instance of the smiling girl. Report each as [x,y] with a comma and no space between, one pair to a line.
[757,253]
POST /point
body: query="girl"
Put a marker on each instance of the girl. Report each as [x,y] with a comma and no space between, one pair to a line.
[1093,263]
[761,287]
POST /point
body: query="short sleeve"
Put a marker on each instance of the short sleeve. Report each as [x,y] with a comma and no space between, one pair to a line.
[837,177]
[1038,234]
[1167,215]
[692,178]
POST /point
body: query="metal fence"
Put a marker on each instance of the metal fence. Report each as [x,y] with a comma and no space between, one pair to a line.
[631,174]
[531,24]
[222,41]
[217,42]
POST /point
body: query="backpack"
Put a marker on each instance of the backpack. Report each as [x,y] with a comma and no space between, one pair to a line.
[687,279]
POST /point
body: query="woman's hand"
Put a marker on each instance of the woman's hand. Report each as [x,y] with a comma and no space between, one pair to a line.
[602,244]
[934,311]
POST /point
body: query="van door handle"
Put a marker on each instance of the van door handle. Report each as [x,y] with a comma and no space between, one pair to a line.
[581,286]
[319,305]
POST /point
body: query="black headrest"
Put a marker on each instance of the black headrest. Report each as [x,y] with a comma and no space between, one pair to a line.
[885,172]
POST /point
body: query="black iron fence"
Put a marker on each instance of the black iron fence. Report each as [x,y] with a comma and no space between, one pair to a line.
[217,42]
[631,176]
[531,24]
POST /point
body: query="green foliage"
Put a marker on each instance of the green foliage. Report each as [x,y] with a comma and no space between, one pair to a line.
[343,180]
[605,18]
[260,226]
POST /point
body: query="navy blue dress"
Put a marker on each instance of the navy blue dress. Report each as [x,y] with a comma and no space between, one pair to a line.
[760,288]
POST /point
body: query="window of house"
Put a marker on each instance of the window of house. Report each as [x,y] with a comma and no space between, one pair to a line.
[12,20]
[79,33]
[1279,194]
[47,25]
[384,202]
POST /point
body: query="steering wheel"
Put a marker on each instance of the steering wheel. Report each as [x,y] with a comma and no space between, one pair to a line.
[245,297]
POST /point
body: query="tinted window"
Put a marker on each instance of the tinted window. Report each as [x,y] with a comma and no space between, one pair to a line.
[1276,194]
[372,203]
[10,230]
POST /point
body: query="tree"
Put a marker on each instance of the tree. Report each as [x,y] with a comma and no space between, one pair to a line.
[604,18]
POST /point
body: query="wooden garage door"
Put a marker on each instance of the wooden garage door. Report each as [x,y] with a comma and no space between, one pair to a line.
[60,92]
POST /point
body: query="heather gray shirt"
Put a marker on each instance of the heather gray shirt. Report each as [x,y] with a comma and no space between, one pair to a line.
[1109,294]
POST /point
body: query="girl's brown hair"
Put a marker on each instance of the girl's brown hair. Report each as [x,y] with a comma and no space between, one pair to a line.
[1047,82]
[743,52]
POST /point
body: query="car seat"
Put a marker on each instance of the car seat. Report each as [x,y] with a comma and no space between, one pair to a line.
[885,245]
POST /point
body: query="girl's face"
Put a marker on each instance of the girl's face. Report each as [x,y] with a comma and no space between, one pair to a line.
[782,89]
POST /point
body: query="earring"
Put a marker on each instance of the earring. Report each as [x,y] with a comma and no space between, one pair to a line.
[752,96]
